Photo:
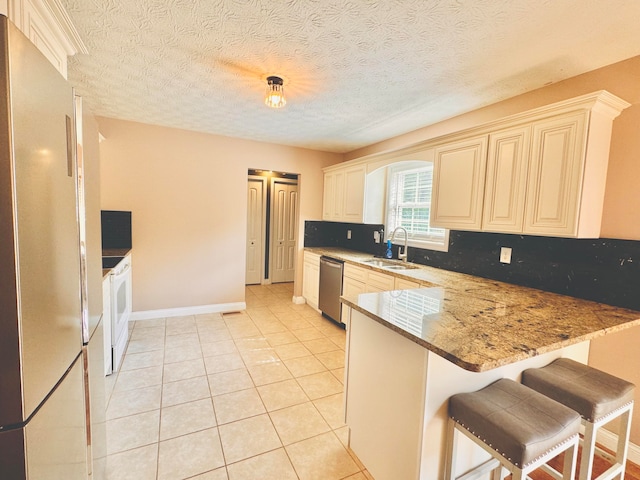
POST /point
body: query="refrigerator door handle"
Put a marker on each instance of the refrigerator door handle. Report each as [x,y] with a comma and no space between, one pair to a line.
[84,294]
[70,142]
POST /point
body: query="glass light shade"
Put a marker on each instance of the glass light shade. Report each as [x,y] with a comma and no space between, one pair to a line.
[274,97]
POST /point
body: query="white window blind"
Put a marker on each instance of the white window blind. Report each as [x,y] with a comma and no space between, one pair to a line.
[409,204]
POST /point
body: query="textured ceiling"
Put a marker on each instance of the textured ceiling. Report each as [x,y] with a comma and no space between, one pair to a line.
[356,71]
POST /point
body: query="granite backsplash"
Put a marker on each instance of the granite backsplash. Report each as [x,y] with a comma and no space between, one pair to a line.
[603,270]
[334,234]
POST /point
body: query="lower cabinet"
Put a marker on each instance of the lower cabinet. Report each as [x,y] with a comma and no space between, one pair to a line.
[358,280]
[379,282]
[311,278]
[352,287]
[402,284]
[355,280]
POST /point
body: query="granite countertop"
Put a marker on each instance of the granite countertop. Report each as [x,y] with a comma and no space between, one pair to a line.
[113,252]
[481,324]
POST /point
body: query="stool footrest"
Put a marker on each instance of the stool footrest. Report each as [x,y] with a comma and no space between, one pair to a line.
[488,466]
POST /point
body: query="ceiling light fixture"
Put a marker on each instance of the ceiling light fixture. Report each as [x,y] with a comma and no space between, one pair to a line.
[274,97]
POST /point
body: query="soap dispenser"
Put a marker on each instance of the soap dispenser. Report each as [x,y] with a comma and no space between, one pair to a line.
[389,253]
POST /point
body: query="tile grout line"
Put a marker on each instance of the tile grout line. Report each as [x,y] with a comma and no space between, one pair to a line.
[236,339]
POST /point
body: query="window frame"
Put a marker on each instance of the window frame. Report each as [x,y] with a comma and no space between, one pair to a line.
[428,243]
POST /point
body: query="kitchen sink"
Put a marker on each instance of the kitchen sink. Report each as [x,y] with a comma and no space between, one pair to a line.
[388,264]
[399,267]
[379,263]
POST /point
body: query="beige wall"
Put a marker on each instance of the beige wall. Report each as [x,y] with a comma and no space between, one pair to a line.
[187,194]
[617,354]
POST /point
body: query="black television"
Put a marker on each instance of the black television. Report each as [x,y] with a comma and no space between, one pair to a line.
[116,229]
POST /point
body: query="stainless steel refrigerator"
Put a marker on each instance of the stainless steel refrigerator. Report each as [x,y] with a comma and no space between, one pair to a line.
[50,315]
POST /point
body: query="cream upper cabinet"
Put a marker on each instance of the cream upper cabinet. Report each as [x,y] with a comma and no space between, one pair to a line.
[328,196]
[458,184]
[353,201]
[343,199]
[556,174]
[542,172]
[506,180]
[539,172]
[48,26]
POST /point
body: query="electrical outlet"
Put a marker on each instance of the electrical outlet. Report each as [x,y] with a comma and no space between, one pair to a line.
[348,234]
[376,236]
[505,255]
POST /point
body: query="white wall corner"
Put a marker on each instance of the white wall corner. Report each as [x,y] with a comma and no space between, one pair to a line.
[299,300]
[182,311]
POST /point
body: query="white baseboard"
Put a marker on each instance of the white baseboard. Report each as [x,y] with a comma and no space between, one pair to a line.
[299,300]
[610,440]
[182,311]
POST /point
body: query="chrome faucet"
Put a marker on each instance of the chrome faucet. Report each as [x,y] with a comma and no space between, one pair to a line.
[402,254]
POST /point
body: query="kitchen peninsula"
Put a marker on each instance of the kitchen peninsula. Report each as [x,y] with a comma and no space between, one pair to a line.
[408,351]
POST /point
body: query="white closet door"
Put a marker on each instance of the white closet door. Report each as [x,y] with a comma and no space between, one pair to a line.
[255,206]
[283,232]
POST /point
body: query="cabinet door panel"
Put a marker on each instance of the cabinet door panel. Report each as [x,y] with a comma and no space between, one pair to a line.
[402,284]
[354,179]
[458,184]
[328,197]
[338,196]
[357,273]
[379,282]
[311,278]
[506,182]
[351,287]
[555,179]
[343,196]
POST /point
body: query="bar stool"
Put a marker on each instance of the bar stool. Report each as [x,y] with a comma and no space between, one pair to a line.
[598,397]
[519,427]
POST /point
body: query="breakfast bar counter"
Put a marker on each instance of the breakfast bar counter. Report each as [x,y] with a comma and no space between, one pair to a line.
[481,329]
[408,351]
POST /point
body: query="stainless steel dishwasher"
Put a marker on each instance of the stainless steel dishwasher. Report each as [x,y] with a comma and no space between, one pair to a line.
[330,288]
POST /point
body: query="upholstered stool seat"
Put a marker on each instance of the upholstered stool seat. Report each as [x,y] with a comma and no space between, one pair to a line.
[598,397]
[518,426]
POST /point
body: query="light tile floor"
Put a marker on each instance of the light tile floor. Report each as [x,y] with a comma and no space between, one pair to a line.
[253,395]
